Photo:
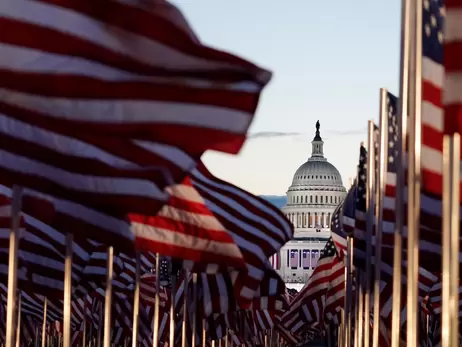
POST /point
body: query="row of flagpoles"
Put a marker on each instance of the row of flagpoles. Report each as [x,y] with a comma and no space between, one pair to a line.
[401,218]
[398,230]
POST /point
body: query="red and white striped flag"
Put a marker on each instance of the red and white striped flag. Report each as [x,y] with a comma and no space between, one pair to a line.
[258,228]
[452,50]
[186,229]
[117,75]
[100,107]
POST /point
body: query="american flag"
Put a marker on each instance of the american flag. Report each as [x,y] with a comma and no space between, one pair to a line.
[432,84]
[185,228]
[308,306]
[258,228]
[306,259]
[388,225]
[426,278]
[359,254]
[432,133]
[390,184]
[294,258]
[134,109]
[338,234]
[348,211]
[452,99]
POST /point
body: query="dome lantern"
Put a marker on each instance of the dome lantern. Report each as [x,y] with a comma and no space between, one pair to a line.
[317,151]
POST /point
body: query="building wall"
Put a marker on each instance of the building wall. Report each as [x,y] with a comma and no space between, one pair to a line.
[307,255]
[312,230]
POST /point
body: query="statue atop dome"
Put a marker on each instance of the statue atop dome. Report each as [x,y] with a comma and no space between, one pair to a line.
[317,137]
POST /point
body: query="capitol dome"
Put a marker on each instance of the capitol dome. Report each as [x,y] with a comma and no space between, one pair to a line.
[315,172]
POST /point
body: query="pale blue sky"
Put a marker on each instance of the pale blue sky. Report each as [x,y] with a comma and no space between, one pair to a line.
[328,58]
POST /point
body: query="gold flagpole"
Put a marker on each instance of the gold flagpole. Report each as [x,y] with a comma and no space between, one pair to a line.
[400,173]
[383,158]
[414,173]
[12,268]
[108,297]
[370,191]
[136,301]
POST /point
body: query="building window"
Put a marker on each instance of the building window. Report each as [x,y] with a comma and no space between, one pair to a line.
[331,199]
[320,199]
[306,199]
[294,259]
[311,199]
[316,199]
[306,259]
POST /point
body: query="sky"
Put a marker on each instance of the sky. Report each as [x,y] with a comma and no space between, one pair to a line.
[329,59]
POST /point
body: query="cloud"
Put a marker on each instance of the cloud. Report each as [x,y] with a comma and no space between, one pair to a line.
[267,134]
[329,133]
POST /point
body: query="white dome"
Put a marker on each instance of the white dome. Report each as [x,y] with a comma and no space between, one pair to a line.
[317,173]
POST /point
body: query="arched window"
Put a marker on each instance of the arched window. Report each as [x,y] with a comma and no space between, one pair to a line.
[316,199]
[311,199]
[320,199]
[306,199]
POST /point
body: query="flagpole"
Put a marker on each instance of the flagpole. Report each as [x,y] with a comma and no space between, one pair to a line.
[108,297]
[450,241]
[455,238]
[18,323]
[414,173]
[172,305]
[359,310]
[348,291]
[369,227]
[13,267]
[383,157]
[155,321]
[400,173]
[195,310]
[136,300]
[184,340]
[44,325]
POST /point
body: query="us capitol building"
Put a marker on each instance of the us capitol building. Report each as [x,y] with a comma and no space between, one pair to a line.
[316,190]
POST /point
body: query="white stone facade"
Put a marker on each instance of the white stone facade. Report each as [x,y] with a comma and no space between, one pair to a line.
[315,192]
